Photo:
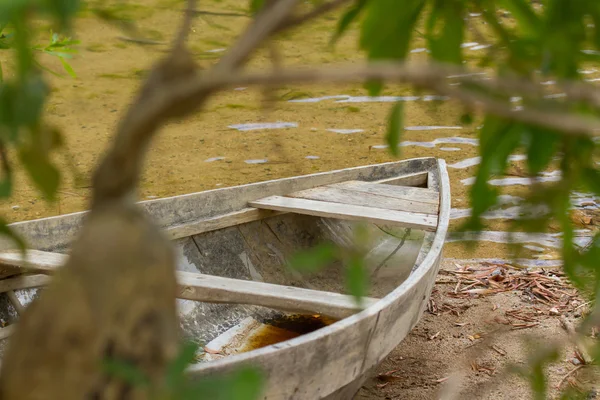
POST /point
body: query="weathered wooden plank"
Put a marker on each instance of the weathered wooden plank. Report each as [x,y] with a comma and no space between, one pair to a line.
[23,282]
[57,232]
[219,222]
[398,192]
[35,259]
[365,199]
[214,289]
[417,179]
[402,309]
[347,211]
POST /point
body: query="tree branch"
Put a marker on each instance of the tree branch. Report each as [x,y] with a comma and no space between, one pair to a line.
[312,14]
[433,77]
[267,21]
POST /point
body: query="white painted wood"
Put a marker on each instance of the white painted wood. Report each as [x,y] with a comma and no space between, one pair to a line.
[215,289]
[417,179]
[23,282]
[404,306]
[14,300]
[57,232]
[347,211]
[315,365]
[336,356]
[366,199]
[219,222]
[7,331]
[414,194]
[35,259]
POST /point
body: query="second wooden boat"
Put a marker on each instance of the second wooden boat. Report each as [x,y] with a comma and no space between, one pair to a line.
[238,295]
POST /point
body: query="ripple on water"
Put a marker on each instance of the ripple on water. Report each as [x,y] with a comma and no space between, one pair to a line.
[433,143]
[450,148]
[552,240]
[429,128]
[378,99]
[263,125]
[469,162]
[346,131]
[523,262]
[214,159]
[553,176]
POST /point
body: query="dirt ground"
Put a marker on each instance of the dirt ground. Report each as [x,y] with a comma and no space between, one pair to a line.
[465,345]
[109,70]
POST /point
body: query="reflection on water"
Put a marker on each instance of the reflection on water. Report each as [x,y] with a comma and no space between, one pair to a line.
[378,99]
[553,176]
[256,161]
[469,162]
[429,128]
[552,240]
[312,157]
[433,143]
[263,125]
[522,262]
[346,131]
[214,159]
[450,148]
[283,328]
[344,98]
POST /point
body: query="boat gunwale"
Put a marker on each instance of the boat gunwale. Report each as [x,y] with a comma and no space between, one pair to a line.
[415,278]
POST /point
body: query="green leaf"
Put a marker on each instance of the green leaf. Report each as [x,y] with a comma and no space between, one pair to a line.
[245,383]
[395,127]
[543,144]
[256,6]
[314,259]
[357,279]
[68,67]
[125,371]
[45,175]
[346,19]
[387,28]
[374,87]
[522,11]
[446,46]
[591,178]
[175,372]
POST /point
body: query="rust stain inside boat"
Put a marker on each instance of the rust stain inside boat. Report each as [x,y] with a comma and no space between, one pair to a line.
[284,328]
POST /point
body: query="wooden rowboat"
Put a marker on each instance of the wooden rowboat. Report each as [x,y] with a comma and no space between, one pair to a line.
[239,297]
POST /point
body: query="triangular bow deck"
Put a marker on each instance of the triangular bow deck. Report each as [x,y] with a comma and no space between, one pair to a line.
[410,207]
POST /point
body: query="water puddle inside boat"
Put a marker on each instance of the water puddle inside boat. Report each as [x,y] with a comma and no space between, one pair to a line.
[284,328]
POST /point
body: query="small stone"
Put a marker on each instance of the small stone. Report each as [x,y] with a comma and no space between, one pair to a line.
[554,311]
[313,129]
[15,207]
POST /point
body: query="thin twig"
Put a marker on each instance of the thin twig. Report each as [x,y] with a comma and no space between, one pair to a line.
[267,21]
[312,14]
[186,26]
[571,372]
[381,264]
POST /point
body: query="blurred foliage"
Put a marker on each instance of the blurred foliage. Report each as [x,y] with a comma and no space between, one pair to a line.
[243,383]
[552,41]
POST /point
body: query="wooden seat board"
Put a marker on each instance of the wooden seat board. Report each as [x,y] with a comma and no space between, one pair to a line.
[416,194]
[365,199]
[205,288]
[348,212]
